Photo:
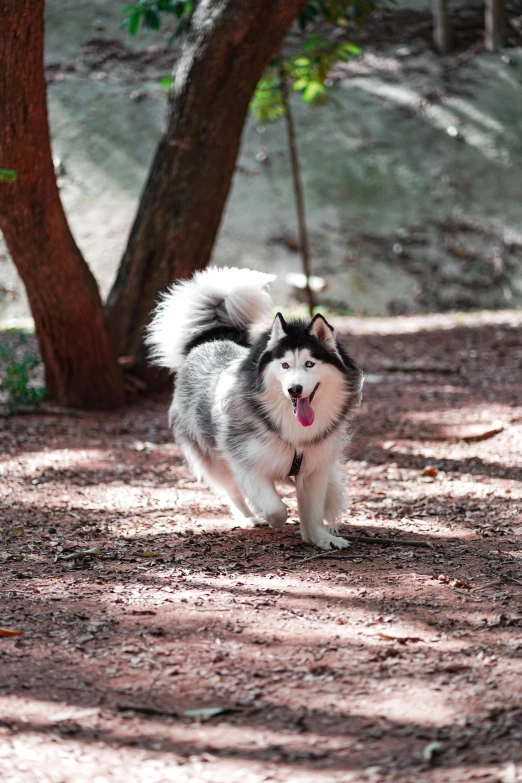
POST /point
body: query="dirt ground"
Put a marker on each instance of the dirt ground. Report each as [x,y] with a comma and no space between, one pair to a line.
[383,663]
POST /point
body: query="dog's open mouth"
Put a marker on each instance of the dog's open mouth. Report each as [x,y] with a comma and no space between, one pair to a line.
[303,411]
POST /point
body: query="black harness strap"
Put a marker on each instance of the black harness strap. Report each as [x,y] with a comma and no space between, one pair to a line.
[296,464]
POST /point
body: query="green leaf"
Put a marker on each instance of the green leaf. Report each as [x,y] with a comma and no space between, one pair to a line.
[149,14]
[133,22]
[152,20]
[300,84]
[165,82]
[352,48]
[8,175]
[17,375]
[312,91]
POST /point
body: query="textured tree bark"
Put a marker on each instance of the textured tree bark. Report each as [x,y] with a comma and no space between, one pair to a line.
[495,23]
[80,361]
[229,44]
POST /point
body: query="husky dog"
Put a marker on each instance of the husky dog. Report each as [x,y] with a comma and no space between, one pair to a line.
[249,414]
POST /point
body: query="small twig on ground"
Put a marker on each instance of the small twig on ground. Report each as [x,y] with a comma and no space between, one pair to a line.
[79,555]
[147,709]
[338,552]
[484,435]
[497,583]
[389,541]
[341,554]
[512,579]
[494,583]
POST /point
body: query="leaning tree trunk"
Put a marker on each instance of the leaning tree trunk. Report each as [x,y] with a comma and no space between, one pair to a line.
[80,362]
[229,44]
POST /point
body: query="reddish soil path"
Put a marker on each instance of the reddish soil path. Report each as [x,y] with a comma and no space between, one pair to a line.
[394,663]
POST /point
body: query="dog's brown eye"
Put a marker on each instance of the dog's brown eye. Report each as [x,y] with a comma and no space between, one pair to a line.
[310,364]
[285,366]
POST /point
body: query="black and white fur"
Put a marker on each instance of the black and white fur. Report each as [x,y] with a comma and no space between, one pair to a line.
[233,410]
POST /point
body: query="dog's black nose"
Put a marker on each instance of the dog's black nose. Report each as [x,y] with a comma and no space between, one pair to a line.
[295,391]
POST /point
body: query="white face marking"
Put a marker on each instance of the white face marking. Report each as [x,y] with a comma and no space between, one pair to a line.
[327,402]
[297,368]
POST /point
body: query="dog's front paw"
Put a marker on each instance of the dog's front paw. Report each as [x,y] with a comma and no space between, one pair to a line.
[247,523]
[322,539]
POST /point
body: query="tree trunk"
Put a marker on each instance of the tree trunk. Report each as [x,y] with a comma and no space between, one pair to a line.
[495,23]
[442,29]
[229,44]
[304,245]
[80,362]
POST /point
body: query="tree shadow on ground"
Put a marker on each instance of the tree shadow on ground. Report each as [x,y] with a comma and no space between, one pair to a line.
[365,741]
[334,663]
[474,466]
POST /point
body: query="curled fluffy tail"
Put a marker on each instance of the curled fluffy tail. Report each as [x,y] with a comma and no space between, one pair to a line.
[212,299]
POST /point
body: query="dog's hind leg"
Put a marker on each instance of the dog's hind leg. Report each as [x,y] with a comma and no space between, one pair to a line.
[219,476]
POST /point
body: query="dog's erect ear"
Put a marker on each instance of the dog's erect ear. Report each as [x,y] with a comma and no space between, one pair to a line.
[278,330]
[323,332]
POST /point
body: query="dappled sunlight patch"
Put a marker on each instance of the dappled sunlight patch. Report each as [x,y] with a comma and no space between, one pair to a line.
[30,461]
[467,424]
[39,712]
[429,322]
[64,738]
[481,135]
[404,701]
[51,737]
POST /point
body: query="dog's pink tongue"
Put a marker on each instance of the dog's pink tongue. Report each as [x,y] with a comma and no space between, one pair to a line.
[304,412]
